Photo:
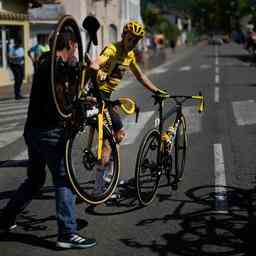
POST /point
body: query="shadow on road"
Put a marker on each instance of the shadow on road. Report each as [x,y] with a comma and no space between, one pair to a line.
[13,163]
[28,222]
[45,194]
[126,203]
[206,231]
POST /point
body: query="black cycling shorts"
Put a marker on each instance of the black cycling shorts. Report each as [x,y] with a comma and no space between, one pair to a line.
[116,119]
[117,123]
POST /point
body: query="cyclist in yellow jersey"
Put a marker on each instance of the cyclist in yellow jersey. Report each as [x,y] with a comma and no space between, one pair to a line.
[111,65]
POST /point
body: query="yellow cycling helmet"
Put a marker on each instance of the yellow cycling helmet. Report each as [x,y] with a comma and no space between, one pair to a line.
[135,28]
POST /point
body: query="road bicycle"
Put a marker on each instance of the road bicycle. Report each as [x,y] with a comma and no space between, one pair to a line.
[160,146]
[86,114]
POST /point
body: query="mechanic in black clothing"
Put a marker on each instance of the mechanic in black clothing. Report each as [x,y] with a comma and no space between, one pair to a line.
[44,135]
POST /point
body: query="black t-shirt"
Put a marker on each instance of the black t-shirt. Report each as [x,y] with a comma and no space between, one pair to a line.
[42,112]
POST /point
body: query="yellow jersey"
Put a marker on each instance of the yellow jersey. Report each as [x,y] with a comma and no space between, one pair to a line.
[116,64]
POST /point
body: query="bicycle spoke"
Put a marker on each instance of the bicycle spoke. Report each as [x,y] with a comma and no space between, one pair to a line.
[89,180]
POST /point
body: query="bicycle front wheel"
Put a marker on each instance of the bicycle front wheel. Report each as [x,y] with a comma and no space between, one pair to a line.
[180,150]
[66,76]
[147,170]
[82,164]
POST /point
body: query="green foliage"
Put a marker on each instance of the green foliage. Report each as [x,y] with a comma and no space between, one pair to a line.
[206,14]
[156,23]
[170,31]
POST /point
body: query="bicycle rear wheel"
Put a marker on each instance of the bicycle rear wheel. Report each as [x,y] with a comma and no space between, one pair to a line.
[66,75]
[147,170]
[180,149]
[82,163]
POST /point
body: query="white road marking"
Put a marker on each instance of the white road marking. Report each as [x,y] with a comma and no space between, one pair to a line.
[11,107]
[12,118]
[133,129]
[205,66]
[22,156]
[8,127]
[13,112]
[217,79]
[193,118]
[220,179]
[185,68]
[217,70]
[216,94]
[14,102]
[9,137]
[159,70]
[244,112]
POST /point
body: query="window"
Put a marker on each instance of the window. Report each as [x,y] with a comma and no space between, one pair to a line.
[112,33]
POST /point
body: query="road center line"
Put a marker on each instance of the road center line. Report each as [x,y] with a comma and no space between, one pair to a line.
[217,79]
[220,179]
[216,94]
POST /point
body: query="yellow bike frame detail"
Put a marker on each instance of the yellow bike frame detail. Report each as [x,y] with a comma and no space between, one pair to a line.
[200,107]
[100,132]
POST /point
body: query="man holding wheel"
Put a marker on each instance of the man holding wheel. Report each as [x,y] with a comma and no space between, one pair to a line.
[44,135]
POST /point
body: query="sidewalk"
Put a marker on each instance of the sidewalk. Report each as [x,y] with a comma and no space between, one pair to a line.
[149,62]
[7,92]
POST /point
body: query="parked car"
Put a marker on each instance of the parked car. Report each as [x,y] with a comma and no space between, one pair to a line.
[215,40]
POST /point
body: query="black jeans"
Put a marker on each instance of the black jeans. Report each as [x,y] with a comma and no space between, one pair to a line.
[18,73]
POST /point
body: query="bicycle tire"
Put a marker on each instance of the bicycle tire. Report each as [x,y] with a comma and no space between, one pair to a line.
[81,160]
[65,92]
[180,149]
[151,141]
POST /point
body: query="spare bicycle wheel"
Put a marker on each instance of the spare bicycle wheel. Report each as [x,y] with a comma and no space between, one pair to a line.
[65,73]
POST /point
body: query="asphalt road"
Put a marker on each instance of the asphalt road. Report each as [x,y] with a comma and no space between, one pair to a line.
[212,212]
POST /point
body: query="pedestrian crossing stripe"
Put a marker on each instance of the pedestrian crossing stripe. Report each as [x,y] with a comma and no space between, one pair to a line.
[9,137]
[133,129]
[21,156]
[11,107]
[4,120]
[13,112]
[193,119]
[185,68]
[159,70]
[8,127]
[244,112]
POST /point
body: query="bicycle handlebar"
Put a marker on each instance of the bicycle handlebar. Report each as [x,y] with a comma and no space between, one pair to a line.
[180,99]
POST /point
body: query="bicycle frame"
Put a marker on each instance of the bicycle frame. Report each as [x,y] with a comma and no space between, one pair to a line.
[178,115]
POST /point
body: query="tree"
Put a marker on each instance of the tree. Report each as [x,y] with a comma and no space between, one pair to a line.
[156,23]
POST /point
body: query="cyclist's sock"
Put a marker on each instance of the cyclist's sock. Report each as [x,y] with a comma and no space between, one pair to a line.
[108,172]
[99,180]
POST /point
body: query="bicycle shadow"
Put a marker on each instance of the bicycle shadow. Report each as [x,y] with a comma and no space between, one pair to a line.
[13,163]
[46,193]
[127,202]
[206,231]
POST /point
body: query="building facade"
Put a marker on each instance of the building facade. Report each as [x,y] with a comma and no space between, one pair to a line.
[14,26]
[26,23]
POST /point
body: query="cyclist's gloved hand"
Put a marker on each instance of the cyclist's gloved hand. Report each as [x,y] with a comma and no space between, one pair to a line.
[162,93]
[101,76]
